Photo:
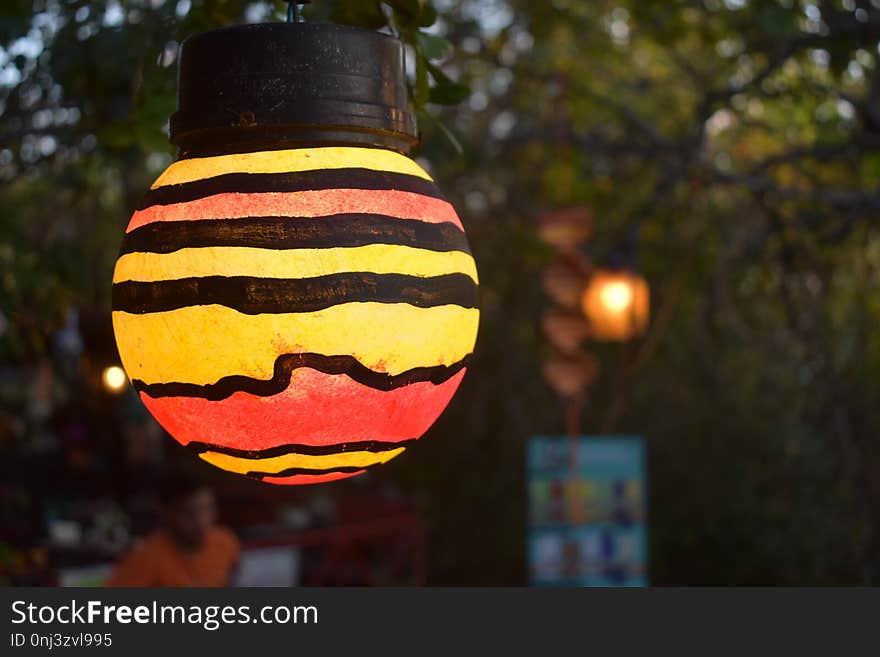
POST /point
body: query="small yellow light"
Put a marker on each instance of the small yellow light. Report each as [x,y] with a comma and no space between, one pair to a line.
[114,379]
[616,304]
[617,296]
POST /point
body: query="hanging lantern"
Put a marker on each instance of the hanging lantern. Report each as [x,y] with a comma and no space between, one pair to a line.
[565,229]
[294,299]
[616,303]
[570,374]
[565,330]
[564,281]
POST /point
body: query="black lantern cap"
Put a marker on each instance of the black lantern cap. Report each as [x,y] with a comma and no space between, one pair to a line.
[276,85]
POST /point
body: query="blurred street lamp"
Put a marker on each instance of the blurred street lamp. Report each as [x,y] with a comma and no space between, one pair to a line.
[114,379]
[616,303]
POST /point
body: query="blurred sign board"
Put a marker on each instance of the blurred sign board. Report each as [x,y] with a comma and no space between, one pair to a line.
[587,511]
[269,566]
[85,576]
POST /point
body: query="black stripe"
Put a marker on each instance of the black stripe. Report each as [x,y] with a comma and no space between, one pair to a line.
[293,181]
[289,472]
[287,363]
[253,295]
[342,230]
[307,450]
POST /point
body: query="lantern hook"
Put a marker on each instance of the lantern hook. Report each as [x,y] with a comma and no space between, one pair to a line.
[293,11]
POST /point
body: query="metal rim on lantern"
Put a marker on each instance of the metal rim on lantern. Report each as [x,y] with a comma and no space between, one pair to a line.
[276,85]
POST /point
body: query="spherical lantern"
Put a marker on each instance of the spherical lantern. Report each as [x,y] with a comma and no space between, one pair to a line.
[616,303]
[294,299]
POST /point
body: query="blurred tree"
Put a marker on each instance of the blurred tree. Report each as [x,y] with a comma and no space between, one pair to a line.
[730,147]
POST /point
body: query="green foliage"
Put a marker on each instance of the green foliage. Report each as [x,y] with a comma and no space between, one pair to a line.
[408,20]
[721,137]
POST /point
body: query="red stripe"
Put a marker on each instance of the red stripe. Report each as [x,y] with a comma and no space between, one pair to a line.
[318,203]
[315,409]
[295,480]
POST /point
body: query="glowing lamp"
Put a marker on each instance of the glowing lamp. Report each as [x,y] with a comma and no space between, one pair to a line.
[616,304]
[295,299]
[114,379]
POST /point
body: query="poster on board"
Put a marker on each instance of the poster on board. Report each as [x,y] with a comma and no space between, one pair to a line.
[587,511]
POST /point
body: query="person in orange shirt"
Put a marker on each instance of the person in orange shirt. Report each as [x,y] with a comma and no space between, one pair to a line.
[189,549]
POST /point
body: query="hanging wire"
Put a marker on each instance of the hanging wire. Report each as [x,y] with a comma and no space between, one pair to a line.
[293,15]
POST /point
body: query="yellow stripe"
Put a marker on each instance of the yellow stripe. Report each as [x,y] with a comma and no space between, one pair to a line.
[297,159]
[201,344]
[291,263]
[280,463]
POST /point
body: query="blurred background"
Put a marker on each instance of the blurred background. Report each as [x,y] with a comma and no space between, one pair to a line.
[727,150]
